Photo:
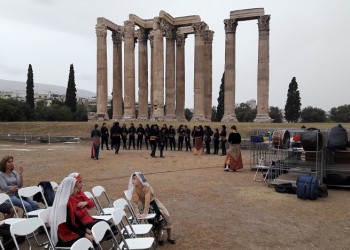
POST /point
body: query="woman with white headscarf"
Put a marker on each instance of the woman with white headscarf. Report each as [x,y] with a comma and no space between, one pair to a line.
[143,200]
[66,228]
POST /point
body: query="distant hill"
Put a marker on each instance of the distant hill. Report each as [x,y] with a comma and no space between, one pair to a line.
[15,86]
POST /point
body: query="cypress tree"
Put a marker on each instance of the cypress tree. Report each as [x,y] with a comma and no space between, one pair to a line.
[221,100]
[71,96]
[30,88]
[292,109]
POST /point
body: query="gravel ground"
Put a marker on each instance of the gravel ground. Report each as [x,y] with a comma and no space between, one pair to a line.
[211,209]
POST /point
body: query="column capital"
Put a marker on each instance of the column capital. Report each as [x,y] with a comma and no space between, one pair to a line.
[117,37]
[264,23]
[129,28]
[142,36]
[230,25]
[180,38]
[101,30]
[158,23]
[170,31]
[199,28]
[208,36]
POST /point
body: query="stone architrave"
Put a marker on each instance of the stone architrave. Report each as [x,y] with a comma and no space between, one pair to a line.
[101,33]
[180,76]
[208,57]
[150,37]
[158,70]
[263,70]
[170,34]
[117,39]
[199,71]
[230,71]
[143,75]
[129,71]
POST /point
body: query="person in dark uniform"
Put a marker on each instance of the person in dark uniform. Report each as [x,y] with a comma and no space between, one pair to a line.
[207,138]
[187,138]
[124,135]
[132,132]
[223,139]
[140,133]
[117,132]
[171,136]
[147,135]
[96,140]
[166,131]
[216,141]
[161,140]
[105,135]
[153,139]
[111,135]
[181,136]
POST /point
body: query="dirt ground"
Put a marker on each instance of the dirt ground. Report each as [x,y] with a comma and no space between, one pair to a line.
[211,209]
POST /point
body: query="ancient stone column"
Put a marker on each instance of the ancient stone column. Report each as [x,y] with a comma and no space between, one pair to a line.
[230,71]
[150,37]
[101,33]
[158,71]
[129,71]
[117,39]
[208,61]
[180,76]
[143,75]
[263,70]
[198,114]
[170,34]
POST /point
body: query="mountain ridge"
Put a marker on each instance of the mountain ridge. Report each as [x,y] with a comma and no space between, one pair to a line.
[9,85]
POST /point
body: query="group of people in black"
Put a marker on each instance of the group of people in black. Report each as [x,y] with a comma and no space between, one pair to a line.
[162,137]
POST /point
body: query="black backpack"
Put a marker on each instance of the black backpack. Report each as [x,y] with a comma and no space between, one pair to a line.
[286,188]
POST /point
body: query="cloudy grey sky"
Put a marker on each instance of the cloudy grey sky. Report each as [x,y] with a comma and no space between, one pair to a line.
[309,40]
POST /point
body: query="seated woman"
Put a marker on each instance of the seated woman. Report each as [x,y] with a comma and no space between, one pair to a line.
[143,200]
[65,225]
[11,181]
[82,203]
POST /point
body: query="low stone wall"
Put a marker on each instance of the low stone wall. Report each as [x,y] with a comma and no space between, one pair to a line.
[40,138]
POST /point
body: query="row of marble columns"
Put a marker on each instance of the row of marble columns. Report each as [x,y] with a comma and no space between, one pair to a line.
[174,69]
[263,70]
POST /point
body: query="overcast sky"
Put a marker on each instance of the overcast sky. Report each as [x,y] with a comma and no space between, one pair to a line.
[309,40]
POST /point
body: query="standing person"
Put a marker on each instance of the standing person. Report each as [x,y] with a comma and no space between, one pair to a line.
[180,138]
[140,133]
[216,141]
[132,132]
[171,136]
[124,135]
[192,134]
[96,140]
[198,141]
[111,136]
[223,135]
[234,157]
[153,139]
[161,140]
[11,181]
[143,200]
[66,227]
[166,131]
[207,139]
[147,135]
[117,133]
[187,138]
[104,136]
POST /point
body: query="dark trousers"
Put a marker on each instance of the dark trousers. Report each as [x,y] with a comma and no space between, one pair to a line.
[117,144]
[172,143]
[153,148]
[223,147]
[161,149]
[104,140]
[188,144]
[124,142]
[139,142]
[132,140]
[97,150]
[180,143]
[207,147]
[147,141]
[216,147]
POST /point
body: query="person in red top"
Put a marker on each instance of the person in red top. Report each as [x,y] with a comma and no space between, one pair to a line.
[82,203]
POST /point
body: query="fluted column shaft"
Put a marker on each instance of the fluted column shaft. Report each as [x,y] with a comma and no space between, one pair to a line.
[143,75]
[129,71]
[158,71]
[199,72]
[150,37]
[101,33]
[263,69]
[180,76]
[170,33]
[230,71]
[208,56]
[117,76]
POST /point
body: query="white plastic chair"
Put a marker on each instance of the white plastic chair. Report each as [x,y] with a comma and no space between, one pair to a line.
[3,198]
[82,244]
[128,196]
[26,227]
[97,192]
[30,192]
[54,185]
[132,243]
[137,229]
[99,230]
